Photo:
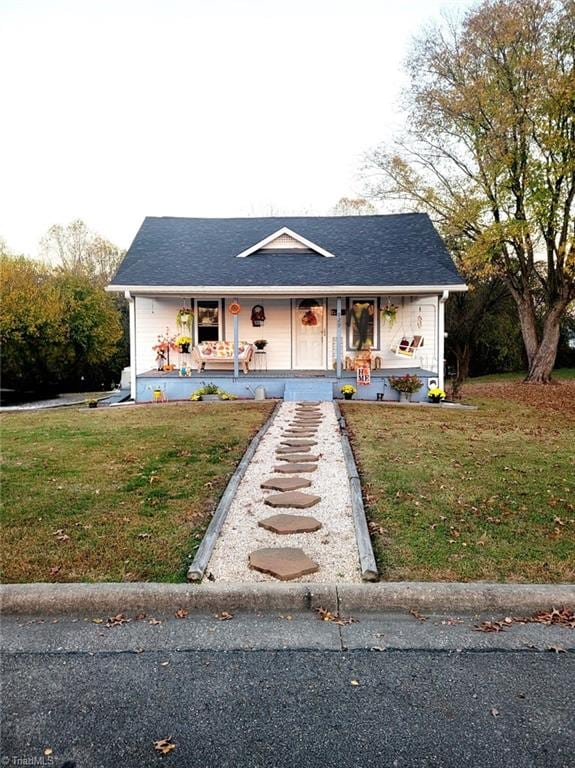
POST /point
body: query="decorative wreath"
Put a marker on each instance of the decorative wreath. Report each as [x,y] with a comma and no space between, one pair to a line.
[234,308]
[309,318]
[258,315]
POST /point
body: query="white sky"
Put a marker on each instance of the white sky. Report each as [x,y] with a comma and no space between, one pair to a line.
[117,109]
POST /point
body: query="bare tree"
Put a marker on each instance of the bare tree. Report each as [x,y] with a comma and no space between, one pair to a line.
[347,206]
[77,249]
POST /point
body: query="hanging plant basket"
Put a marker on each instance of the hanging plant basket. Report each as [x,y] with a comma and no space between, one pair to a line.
[184,317]
[389,313]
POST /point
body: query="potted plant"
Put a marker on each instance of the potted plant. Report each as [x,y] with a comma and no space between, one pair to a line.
[260,343]
[184,317]
[162,350]
[389,313]
[348,391]
[405,385]
[183,342]
[436,394]
[207,392]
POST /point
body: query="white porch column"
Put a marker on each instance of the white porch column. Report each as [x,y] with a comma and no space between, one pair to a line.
[338,339]
[236,346]
[132,316]
[441,339]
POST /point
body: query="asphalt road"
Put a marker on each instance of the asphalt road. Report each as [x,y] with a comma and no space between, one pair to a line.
[279,692]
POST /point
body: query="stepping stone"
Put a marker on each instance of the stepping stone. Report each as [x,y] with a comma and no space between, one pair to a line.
[286,524]
[299,417]
[286,483]
[308,404]
[306,423]
[295,499]
[293,449]
[311,411]
[297,458]
[299,442]
[287,468]
[284,563]
[293,432]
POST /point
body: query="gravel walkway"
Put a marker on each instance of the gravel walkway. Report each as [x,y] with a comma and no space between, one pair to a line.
[333,547]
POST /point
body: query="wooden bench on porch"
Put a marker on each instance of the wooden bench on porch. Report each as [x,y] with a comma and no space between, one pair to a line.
[222,353]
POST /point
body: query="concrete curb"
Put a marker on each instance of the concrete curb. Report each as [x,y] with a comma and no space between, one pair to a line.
[454,598]
[200,562]
[149,598]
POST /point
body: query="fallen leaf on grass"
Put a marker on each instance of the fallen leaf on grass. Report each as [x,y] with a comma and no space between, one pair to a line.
[418,615]
[164,746]
[60,535]
[325,615]
[376,528]
[224,616]
[154,622]
[181,613]
[55,569]
[144,535]
[495,712]
[97,621]
[287,618]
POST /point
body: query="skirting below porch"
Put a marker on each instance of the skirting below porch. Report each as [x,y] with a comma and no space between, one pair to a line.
[178,387]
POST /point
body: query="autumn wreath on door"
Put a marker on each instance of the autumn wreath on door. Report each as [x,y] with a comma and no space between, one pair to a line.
[309,318]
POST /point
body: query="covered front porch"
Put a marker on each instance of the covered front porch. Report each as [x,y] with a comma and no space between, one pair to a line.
[304,337]
[276,383]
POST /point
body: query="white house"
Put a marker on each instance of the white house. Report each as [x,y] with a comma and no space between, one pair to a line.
[327,294]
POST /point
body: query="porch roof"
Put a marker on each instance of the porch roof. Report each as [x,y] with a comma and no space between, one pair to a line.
[377,253]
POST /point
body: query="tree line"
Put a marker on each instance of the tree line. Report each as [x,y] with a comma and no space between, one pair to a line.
[59,329]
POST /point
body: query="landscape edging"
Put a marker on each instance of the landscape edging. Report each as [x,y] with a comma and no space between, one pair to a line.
[367,563]
[200,562]
[439,597]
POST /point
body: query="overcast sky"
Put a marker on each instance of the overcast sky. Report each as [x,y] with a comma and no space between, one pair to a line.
[113,110]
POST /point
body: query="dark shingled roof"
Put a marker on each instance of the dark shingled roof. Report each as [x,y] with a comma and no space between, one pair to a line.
[394,250]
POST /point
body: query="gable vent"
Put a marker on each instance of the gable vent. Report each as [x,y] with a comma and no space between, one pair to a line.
[284,241]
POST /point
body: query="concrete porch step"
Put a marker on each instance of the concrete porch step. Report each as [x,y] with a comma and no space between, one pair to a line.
[306,390]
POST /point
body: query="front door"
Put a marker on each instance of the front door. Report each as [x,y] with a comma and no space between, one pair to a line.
[309,334]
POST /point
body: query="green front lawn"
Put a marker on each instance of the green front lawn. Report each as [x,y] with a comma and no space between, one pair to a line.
[472,495]
[115,494]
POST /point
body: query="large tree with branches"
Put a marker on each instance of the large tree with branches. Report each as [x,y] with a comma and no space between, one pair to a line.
[489,152]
